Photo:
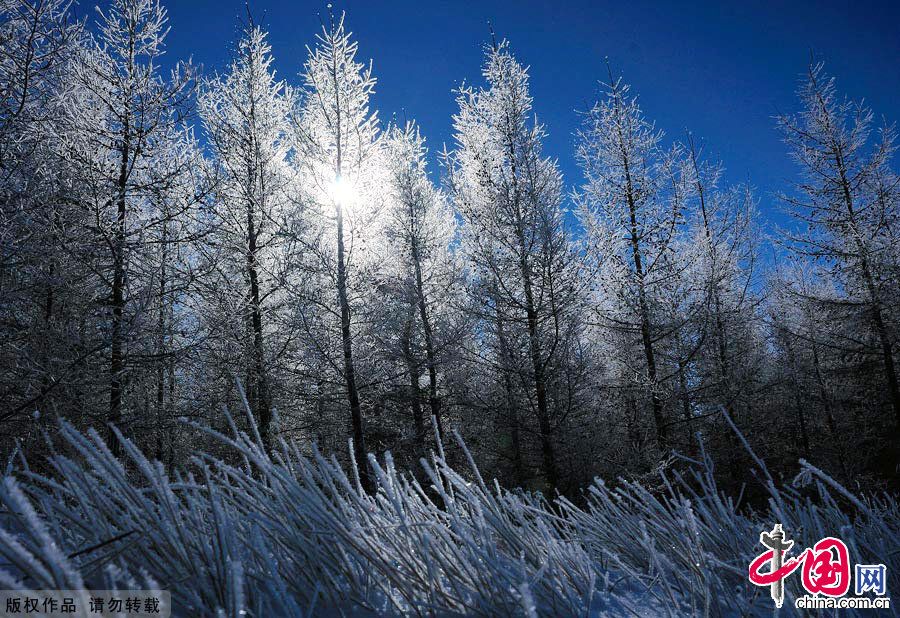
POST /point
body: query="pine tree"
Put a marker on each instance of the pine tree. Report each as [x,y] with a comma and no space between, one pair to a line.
[120,114]
[847,212]
[421,229]
[40,295]
[339,161]
[509,197]
[722,251]
[246,116]
[632,205]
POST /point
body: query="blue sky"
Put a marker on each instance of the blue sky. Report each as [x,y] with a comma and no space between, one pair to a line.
[719,69]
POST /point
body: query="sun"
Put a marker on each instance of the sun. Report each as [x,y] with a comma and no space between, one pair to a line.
[342,191]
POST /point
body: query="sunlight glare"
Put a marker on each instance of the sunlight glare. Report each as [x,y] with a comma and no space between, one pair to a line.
[342,191]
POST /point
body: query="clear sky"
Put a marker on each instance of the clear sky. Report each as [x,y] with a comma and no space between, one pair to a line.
[719,69]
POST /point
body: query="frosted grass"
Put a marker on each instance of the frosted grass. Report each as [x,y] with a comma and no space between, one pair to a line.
[294,535]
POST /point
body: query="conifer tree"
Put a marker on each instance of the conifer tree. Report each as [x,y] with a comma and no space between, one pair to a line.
[246,115]
[339,158]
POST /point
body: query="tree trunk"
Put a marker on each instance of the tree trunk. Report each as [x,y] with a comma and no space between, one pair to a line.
[412,368]
[540,386]
[685,396]
[171,435]
[433,400]
[511,412]
[116,362]
[829,412]
[161,346]
[798,406]
[534,345]
[644,310]
[887,348]
[260,399]
[359,444]
[537,365]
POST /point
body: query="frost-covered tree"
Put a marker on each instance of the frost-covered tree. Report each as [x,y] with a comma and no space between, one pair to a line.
[509,195]
[37,38]
[848,210]
[40,298]
[246,117]
[339,160]
[809,364]
[170,270]
[423,275]
[631,207]
[724,238]
[120,117]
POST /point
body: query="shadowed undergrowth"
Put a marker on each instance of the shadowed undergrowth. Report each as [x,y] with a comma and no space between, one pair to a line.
[293,535]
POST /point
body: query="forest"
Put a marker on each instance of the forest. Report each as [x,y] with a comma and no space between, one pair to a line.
[240,314]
